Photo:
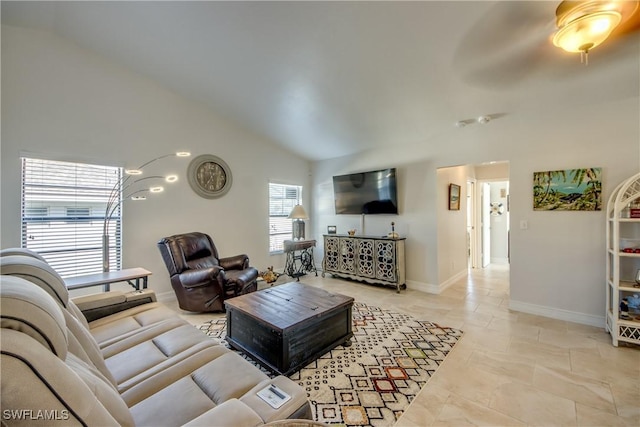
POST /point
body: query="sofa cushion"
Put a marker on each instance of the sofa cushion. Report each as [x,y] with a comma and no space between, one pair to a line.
[225,378]
[38,371]
[153,354]
[21,252]
[39,272]
[101,389]
[116,327]
[154,411]
[82,344]
[28,309]
[228,377]
[35,379]
[150,386]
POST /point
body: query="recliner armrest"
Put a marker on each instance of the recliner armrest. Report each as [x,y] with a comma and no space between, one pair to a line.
[231,413]
[238,262]
[200,277]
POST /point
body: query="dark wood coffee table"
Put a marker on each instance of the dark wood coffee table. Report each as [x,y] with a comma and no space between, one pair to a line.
[288,326]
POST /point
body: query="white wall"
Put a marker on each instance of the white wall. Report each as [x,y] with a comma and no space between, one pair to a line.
[557,265]
[67,103]
[59,99]
[416,221]
[494,171]
[452,225]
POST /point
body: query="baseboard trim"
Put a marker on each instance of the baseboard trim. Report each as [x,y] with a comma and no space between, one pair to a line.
[431,288]
[451,280]
[428,288]
[558,313]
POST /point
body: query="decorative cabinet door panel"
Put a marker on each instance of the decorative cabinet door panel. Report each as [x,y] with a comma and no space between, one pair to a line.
[347,256]
[331,253]
[385,254]
[366,259]
[369,259]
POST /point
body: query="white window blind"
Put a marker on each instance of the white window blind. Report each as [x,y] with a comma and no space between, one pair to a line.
[282,199]
[63,208]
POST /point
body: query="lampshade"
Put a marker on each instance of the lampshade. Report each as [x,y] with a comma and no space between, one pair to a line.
[298,212]
[586,32]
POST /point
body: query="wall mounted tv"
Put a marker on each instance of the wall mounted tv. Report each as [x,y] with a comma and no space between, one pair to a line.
[373,192]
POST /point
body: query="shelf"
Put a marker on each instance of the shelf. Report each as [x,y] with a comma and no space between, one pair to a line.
[627,254]
[630,323]
[624,285]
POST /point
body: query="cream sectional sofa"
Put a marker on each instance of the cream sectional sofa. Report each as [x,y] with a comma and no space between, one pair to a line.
[140,366]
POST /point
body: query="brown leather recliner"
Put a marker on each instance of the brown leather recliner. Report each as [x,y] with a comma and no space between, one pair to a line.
[200,278]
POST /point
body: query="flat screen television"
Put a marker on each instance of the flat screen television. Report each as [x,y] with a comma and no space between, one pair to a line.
[369,193]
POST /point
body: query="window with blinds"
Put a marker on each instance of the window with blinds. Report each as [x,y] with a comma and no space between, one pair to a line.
[282,199]
[63,212]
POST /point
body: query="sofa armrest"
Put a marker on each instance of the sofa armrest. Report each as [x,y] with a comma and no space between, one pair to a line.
[96,306]
[297,407]
[200,277]
[238,262]
[231,413]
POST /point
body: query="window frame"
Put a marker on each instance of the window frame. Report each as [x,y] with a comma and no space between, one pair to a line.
[71,244]
[286,205]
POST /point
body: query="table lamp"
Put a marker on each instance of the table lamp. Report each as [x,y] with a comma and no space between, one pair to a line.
[298,215]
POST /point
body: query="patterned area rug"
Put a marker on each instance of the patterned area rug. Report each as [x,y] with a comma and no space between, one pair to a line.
[372,382]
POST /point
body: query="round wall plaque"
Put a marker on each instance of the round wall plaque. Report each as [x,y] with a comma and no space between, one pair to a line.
[209,176]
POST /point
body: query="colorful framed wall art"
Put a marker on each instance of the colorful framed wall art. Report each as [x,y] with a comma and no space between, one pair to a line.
[568,190]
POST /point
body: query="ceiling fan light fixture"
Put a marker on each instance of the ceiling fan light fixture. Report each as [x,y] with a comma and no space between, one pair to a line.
[586,32]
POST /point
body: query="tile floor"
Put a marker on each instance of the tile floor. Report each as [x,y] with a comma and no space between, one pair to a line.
[509,368]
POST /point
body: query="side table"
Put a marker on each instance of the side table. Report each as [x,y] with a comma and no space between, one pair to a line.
[133,276]
[299,258]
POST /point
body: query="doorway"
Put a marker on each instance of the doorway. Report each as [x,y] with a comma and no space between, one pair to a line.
[488,223]
[471,234]
[488,218]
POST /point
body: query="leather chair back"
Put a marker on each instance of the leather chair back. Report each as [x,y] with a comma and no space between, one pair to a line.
[200,278]
[189,251]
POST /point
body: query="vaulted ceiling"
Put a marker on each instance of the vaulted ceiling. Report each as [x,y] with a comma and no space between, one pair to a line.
[327,79]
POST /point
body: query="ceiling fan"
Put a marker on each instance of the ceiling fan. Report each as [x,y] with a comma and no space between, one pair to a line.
[514,39]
